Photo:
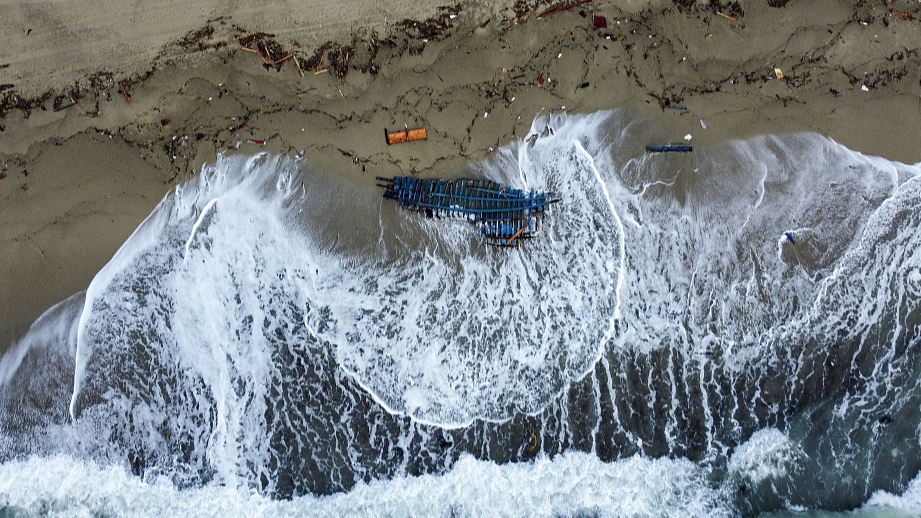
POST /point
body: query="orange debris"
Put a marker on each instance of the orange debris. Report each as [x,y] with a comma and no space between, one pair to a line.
[406,135]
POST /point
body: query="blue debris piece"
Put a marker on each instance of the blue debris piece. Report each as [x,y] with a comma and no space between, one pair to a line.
[669,148]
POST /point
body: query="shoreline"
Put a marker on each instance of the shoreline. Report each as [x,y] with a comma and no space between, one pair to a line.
[80,176]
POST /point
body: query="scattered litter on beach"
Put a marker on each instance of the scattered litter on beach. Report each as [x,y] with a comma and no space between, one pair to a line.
[256,52]
[563,7]
[702,124]
[688,137]
[778,73]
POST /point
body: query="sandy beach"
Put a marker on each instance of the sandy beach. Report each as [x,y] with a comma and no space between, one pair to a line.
[105,108]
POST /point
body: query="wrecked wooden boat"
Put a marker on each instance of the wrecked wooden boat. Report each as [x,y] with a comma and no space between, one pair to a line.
[503,215]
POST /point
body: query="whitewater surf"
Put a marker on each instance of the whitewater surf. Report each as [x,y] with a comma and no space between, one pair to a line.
[725,332]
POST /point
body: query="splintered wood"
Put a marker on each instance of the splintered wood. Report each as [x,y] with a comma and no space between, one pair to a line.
[406,135]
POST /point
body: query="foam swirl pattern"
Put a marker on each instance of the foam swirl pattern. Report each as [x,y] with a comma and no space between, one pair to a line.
[447,330]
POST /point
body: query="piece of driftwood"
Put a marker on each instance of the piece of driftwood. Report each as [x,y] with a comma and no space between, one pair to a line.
[406,135]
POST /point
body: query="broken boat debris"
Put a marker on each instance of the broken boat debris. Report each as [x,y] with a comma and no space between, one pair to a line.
[407,135]
[503,215]
[670,148]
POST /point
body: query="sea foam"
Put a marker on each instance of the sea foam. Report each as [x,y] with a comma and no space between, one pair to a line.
[740,322]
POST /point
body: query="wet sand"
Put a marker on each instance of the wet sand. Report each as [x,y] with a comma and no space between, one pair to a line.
[82,166]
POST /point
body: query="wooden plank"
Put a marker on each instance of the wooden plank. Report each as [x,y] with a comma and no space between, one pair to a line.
[406,135]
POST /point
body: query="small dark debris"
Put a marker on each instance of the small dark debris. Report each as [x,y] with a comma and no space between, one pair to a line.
[670,148]
[196,38]
[59,101]
[583,85]
[600,22]
[164,122]
[340,56]
[102,80]
[25,173]
[2,175]
[685,6]
[256,37]
[733,9]
[199,136]
[835,92]
[540,80]
[12,100]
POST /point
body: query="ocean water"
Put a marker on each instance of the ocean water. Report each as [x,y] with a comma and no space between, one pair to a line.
[731,332]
